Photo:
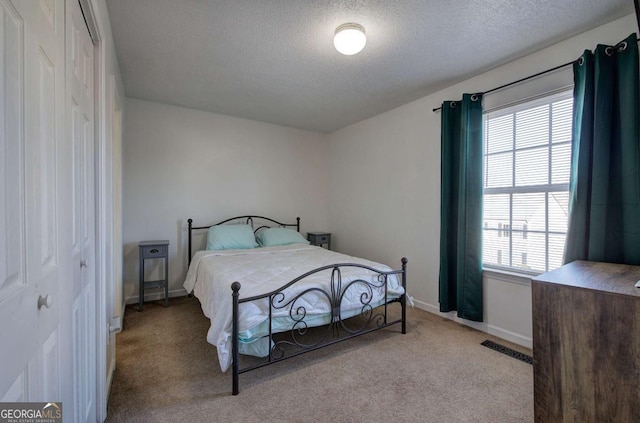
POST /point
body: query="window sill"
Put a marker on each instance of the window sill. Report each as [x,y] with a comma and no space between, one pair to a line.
[504,275]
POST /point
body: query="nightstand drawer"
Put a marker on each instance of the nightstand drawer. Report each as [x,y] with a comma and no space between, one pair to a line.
[322,239]
[154,251]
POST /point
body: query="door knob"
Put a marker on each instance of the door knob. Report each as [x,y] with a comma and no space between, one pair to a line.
[45,301]
[83,263]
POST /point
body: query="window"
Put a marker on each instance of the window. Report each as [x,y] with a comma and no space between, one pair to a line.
[526,184]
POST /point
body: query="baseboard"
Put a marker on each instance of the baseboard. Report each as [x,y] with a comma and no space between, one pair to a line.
[156,296]
[508,335]
[110,373]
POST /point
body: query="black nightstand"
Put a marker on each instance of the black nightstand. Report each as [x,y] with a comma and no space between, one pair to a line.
[154,250]
[320,238]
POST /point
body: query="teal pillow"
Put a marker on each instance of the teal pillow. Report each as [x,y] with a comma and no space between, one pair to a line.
[270,237]
[230,237]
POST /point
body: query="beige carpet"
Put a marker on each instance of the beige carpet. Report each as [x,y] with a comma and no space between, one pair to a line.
[437,372]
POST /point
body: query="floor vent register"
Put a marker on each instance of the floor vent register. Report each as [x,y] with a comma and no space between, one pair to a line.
[508,351]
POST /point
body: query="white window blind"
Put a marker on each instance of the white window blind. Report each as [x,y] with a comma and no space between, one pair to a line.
[526,184]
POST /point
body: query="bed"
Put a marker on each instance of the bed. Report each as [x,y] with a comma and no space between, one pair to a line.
[264,298]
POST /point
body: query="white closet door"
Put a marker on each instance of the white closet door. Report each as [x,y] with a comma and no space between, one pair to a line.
[80,115]
[47,223]
[34,260]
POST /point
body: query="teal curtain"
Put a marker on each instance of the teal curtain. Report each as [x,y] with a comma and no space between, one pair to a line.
[461,207]
[604,200]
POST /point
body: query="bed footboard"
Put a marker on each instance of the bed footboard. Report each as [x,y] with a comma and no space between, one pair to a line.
[341,325]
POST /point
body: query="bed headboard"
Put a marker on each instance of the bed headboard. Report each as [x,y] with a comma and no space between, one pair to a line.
[262,222]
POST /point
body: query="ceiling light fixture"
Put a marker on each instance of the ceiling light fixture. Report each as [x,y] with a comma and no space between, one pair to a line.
[349,39]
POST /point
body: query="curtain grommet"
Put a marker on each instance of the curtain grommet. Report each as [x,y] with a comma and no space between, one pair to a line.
[453,104]
[581,61]
[474,97]
[609,51]
[621,47]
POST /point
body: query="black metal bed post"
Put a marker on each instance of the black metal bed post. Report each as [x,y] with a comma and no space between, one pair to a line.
[190,222]
[298,224]
[404,296]
[235,287]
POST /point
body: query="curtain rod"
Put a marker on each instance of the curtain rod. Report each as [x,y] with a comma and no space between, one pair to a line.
[522,80]
[636,4]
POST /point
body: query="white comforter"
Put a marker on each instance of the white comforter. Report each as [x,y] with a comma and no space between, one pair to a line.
[263,270]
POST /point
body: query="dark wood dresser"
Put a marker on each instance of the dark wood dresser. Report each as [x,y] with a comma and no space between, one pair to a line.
[586,343]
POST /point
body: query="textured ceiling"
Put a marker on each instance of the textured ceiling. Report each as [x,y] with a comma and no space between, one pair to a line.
[274,60]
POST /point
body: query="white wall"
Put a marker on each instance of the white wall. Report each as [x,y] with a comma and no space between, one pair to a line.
[182,163]
[384,183]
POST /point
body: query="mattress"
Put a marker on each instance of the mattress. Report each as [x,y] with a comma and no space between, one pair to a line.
[263,270]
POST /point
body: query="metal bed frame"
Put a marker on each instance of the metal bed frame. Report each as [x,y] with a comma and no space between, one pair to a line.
[372,317]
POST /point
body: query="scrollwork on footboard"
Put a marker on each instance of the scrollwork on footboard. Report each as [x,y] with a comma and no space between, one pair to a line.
[351,309]
[334,299]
